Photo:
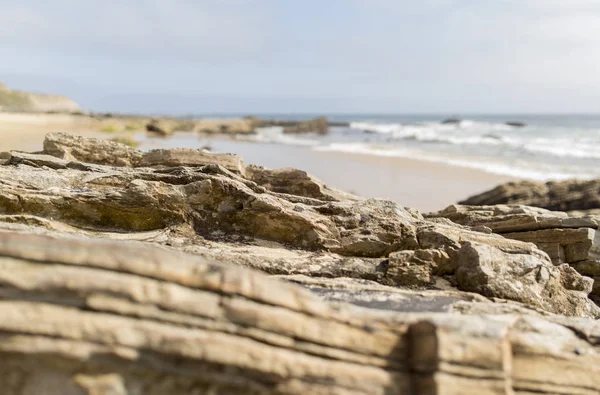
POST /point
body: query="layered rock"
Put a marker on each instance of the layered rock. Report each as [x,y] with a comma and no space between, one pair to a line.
[385,242]
[570,195]
[107,152]
[571,240]
[76,148]
[127,278]
[295,182]
[191,158]
[87,316]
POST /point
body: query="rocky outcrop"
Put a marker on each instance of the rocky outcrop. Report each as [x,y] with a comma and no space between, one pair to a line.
[225,126]
[570,195]
[18,101]
[451,121]
[317,125]
[155,127]
[181,276]
[76,148]
[192,158]
[295,182]
[88,316]
[107,152]
[567,240]
[374,239]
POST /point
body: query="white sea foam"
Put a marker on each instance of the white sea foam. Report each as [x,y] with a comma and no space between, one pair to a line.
[472,133]
[275,134]
[530,171]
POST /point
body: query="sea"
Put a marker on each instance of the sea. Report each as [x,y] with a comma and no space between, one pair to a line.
[544,147]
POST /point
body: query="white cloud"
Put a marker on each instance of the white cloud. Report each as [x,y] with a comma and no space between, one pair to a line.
[199,30]
[435,54]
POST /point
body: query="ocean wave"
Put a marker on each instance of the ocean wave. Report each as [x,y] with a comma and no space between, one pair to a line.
[466,124]
[511,139]
[565,148]
[528,171]
[275,134]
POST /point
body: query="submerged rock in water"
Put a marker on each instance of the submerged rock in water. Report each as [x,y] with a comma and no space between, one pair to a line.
[169,274]
[451,121]
[516,124]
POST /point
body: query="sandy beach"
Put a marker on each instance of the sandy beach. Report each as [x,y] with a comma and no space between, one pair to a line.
[414,183]
[424,185]
[25,132]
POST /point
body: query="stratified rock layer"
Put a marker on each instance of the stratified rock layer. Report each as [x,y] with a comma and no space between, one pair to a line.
[121,278]
[569,195]
[571,240]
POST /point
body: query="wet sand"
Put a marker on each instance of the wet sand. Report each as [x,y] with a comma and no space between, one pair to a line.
[423,185]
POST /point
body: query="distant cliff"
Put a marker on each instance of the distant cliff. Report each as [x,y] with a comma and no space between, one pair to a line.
[17,101]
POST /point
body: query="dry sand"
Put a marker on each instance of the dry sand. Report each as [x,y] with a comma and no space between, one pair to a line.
[25,132]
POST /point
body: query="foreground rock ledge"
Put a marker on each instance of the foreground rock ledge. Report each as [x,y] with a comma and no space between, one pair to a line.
[356,296]
[569,195]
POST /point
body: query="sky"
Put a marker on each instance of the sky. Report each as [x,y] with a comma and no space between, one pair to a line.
[317,56]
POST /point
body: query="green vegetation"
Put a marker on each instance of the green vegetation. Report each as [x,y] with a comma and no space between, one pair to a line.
[132,127]
[110,128]
[14,101]
[129,141]
[184,125]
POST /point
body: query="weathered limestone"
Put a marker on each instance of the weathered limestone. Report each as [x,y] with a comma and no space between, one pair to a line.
[132,278]
[92,316]
[191,157]
[295,182]
[569,195]
[572,240]
[104,152]
[76,148]
[372,239]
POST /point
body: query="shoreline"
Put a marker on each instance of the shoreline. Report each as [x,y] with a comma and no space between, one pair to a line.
[422,184]
[411,182]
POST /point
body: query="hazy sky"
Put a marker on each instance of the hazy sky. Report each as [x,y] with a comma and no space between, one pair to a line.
[449,56]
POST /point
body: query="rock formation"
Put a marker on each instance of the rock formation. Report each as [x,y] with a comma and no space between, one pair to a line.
[570,195]
[154,126]
[163,273]
[317,125]
[516,124]
[567,240]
